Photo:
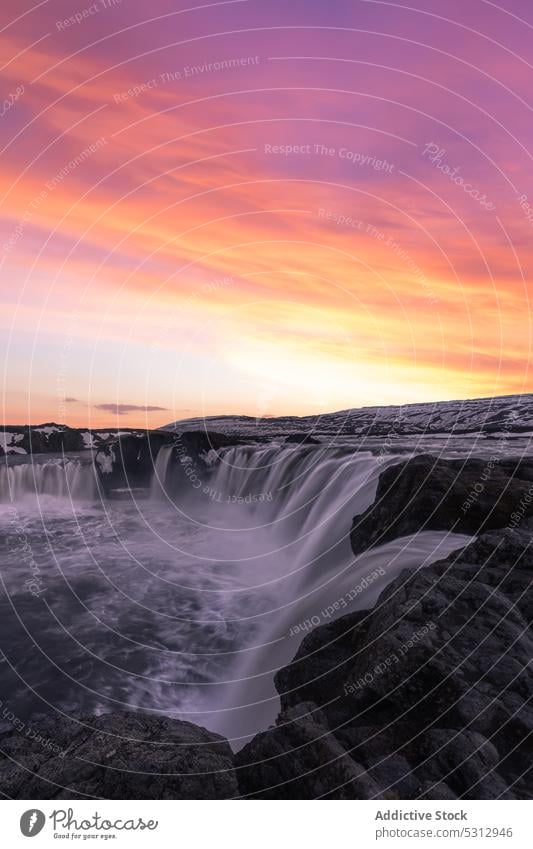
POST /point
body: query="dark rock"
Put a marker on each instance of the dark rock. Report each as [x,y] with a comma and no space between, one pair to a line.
[320,664]
[426,493]
[428,694]
[200,442]
[57,441]
[52,438]
[46,438]
[117,756]
[302,439]
[301,759]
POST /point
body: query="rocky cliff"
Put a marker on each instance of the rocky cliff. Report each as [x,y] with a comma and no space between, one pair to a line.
[427,695]
[128,462]
[428,493]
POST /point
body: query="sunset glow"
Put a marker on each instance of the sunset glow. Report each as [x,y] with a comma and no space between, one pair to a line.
[262,208]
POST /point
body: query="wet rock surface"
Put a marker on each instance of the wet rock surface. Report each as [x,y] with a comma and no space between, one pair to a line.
[464,496]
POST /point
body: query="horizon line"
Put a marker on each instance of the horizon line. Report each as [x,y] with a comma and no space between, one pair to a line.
[129,426]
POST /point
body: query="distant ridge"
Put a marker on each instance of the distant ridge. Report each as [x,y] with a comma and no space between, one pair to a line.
[505,414]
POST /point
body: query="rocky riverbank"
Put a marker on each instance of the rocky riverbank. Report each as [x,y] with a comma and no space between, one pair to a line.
[427,695]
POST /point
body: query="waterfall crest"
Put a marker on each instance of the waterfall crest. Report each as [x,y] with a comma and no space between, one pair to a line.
[63,478]
[161,467]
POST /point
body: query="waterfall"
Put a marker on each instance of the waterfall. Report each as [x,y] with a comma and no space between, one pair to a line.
[283,514]
[302,484]
[219,581]
[63,478]
[162,462]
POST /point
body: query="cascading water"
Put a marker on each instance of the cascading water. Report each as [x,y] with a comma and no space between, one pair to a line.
[62,478]
[161,467]
[188,602]
[286,513]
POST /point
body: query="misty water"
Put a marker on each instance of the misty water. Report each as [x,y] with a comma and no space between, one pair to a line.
[185,607]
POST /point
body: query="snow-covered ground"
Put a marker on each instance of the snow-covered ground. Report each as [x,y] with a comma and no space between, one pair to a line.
[502,417]
[511,414]
[51,437]
[8,443]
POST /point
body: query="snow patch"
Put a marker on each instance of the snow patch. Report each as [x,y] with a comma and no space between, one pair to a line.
[105,461]
[210,457]
[88,439]
[5,439]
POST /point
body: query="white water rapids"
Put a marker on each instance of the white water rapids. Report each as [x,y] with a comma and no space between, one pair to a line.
[185,606]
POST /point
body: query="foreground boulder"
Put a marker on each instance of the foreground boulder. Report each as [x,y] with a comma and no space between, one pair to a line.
[425,696]
[116,756]
[464,496]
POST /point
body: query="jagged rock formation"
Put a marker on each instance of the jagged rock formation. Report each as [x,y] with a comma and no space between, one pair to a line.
[427,493]
[425,696]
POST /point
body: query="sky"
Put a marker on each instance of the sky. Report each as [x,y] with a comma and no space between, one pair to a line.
[262,208]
